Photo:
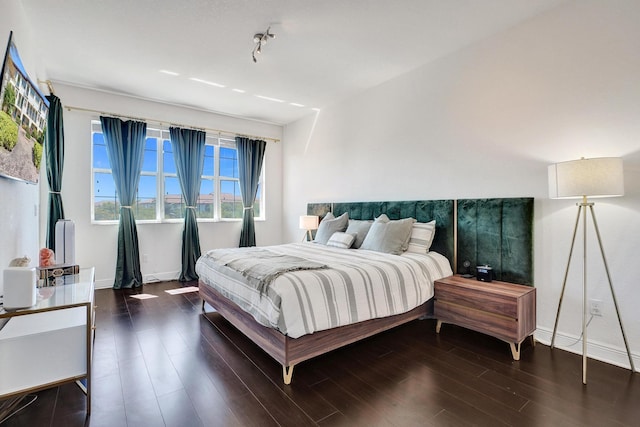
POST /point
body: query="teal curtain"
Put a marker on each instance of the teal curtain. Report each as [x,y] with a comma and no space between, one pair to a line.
[125,149]
[250,158]
[188,151]
[54,153]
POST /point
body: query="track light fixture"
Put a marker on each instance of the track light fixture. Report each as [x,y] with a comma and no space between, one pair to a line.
[260,39]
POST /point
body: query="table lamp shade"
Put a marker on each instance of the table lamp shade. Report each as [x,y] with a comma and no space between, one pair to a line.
[598,177]
[309,222]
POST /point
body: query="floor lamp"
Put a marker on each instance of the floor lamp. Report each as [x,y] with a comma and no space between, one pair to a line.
[309,222]
[598,177]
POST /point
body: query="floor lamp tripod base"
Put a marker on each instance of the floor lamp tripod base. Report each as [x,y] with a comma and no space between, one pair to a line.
[582,209]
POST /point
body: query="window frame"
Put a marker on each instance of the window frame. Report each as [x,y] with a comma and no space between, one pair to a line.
[161,134]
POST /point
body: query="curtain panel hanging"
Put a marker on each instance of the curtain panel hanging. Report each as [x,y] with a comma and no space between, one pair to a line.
[250,159]
[125,149]
[54,153]
[188,149]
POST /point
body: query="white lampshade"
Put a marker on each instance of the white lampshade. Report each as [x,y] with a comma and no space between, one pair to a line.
[309,222]
[599,177]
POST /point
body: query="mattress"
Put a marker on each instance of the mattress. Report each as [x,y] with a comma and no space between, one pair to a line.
[357,285]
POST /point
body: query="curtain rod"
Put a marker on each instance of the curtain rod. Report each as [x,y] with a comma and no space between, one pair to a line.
[161,122]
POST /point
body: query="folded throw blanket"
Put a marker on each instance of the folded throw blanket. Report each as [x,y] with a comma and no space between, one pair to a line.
[261,266]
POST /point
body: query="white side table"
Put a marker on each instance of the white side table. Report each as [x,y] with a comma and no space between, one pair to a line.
[50,343]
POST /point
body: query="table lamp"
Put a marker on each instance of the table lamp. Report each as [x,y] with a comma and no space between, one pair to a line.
[309,222]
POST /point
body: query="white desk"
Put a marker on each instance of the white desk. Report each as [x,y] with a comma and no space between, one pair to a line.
[50,343]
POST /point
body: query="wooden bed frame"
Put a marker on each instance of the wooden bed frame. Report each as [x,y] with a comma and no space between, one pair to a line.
[291,351]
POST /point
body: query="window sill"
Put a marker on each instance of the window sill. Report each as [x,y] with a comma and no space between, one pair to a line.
[178,221]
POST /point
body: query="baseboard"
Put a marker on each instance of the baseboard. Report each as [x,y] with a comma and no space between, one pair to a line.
[595,350]
[146,278]
[160,277]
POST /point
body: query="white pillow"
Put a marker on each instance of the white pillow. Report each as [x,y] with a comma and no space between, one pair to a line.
[388,236]
[329,225]
[340,239]
[421,238]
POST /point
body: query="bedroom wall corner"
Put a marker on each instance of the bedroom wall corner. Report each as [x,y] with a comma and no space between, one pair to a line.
[296,192]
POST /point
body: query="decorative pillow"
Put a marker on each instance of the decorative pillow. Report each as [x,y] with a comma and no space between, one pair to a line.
[340,239]
[382,218]
[329,225]
[421,237]
[360,229]
[389,236]
[385,218]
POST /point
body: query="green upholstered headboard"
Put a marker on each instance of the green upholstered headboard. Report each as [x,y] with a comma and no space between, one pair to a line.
[320,209]
[422,210]
[498,231]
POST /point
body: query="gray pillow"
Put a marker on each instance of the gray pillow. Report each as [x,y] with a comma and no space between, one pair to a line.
[329,225]
[360,228]
[387,236]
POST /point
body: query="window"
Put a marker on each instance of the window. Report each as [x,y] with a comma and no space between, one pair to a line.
[159,198]
[230,197]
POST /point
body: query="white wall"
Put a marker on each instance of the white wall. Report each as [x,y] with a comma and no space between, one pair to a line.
[18,201]
[96,245]
[485,122]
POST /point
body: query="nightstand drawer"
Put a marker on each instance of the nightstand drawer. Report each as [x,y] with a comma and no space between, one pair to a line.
[485,298]
[502,327]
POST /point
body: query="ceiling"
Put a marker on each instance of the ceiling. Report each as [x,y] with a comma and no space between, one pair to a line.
[324,50]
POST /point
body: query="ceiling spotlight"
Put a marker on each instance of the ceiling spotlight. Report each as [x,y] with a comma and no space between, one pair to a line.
[259,39]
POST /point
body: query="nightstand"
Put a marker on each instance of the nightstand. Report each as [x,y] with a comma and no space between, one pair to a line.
[502,310]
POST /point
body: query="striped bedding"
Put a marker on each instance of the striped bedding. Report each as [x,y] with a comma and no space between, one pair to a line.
[358,285]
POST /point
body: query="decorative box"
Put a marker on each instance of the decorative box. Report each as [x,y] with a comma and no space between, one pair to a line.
[57,271]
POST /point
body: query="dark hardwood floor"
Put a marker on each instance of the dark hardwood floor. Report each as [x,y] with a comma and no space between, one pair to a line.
[161,362]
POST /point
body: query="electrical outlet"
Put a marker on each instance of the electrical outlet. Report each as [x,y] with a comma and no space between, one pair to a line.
[145,258]
[595,307]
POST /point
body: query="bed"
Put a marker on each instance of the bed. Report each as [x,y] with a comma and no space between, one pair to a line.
[347,312]
[352,285]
